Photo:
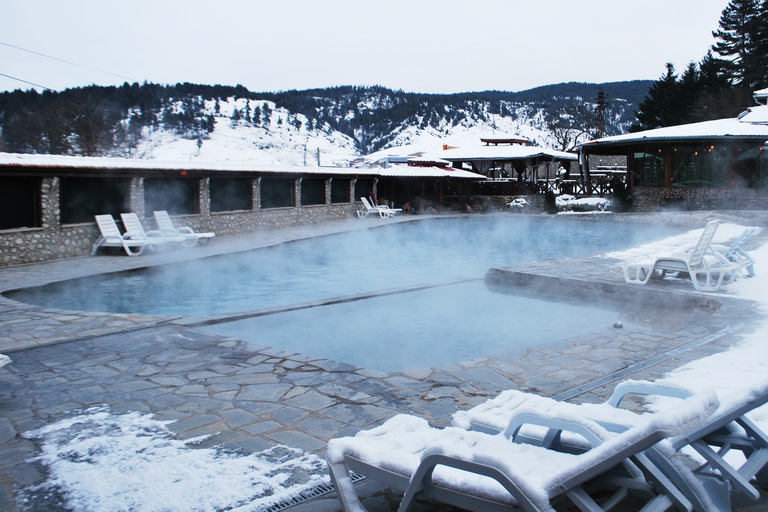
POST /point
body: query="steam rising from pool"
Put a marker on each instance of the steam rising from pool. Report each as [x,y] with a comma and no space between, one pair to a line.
[431,251]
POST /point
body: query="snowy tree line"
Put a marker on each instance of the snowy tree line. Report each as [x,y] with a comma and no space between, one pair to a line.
[111,120]
[722,83]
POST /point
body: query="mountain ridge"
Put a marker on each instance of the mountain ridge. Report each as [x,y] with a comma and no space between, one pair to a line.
[214,122]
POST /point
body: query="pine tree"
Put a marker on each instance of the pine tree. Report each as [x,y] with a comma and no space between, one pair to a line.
[742,42]
[659,108]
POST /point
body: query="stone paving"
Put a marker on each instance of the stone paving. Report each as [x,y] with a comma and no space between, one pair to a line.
[250,398]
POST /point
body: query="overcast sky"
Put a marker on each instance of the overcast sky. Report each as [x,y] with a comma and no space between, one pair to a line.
[431,46]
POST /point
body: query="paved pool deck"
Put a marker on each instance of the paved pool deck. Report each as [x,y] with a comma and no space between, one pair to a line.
[251,398]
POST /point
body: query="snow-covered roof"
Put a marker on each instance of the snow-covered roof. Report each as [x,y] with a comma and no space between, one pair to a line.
[761,96]
[404,171]
[752,124]
[498,153]
[127,164]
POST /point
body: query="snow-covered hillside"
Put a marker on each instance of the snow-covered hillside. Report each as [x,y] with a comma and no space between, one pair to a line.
[330,126]
[282,140]
[287,140]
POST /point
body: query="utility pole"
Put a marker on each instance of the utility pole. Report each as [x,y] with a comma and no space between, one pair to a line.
[601,98]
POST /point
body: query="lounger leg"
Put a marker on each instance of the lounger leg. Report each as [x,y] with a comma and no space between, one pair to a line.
[345,488]
[96,245]
[132,253]
[637,274]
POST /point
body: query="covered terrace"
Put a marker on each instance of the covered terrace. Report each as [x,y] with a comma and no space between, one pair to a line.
[706,165]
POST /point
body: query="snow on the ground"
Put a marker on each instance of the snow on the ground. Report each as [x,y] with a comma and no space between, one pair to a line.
[99,461]
[741,366]
[570,204]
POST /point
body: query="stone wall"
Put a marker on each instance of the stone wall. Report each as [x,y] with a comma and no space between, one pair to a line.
[53,241]
[647,199]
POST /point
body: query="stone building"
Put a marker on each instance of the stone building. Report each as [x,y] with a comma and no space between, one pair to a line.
[706,165]
[48,202]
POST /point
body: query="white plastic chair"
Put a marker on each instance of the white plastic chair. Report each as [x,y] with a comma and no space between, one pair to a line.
[133,243]
[190,237]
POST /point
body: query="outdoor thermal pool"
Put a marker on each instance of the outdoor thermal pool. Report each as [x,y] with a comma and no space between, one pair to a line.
[396,289]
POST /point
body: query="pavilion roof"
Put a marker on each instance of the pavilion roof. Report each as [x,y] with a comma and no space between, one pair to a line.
[77,163]
[752,124]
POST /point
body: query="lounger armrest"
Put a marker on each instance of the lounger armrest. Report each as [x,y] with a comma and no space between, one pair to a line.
[186,230]
[422,478]
[555,425]
[644,388]
[155,233]
[130,235]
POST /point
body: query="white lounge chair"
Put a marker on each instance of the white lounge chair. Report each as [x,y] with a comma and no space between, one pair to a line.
[4,360]
[133,243]
[383,211]
[707,269]
[735,251]
[191,238]
[483,472]
[155,239]
[727,430]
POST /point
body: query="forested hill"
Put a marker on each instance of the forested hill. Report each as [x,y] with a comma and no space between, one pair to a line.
[149,120]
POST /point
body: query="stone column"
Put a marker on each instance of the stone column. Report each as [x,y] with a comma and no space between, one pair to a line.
[256,194]
[297,192]
[136,198]
[352,184]
[50,199]
[328,183]
[205,197]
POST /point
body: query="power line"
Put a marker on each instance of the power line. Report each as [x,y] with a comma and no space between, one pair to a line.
[66,62]
[26,82]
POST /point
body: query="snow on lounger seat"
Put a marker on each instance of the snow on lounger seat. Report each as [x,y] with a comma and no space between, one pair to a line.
[191,238]
[728,430]
[485,472]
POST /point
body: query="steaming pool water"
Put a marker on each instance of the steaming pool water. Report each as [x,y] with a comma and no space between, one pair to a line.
[445,322]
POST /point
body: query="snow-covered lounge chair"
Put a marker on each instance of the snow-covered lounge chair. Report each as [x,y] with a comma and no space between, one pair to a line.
[4,360]
[133,243]
[735,251]
[191,238]
[155,239]
[707,269]
[727,430]
[484,472]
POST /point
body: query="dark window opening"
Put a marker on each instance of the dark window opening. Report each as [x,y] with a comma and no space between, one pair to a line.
[339,191]
[277,192]
[231,194]
[648,167]
[20,203]
[83,198]
[312,191]
[363,188]
[177,196]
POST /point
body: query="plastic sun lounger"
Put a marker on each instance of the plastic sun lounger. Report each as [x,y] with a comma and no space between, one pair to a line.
[707,269]
[728,430]
[155,239]
[4,360]
[133,243]
[484,472]
[191,238]
[383,211]
[735,251]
